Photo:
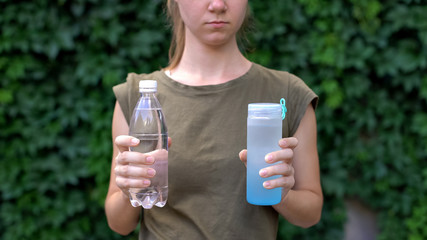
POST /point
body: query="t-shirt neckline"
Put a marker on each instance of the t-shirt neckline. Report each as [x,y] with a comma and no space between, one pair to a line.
[208,88]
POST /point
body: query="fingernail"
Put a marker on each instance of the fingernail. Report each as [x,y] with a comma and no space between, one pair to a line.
[146,182]
[135,140]
[151,172]
[269,158]
[149,159]
[266,184]
[263,172]
[283,142]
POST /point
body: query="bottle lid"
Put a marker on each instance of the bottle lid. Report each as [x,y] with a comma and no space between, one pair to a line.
[264,110]
[148,86]
[267,110]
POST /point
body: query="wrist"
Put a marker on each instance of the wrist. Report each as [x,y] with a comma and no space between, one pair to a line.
[285,198]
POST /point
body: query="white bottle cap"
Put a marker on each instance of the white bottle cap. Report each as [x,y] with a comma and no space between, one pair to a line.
[148,86]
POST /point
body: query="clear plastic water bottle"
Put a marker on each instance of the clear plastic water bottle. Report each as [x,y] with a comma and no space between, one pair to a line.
[263,134]
[148,125]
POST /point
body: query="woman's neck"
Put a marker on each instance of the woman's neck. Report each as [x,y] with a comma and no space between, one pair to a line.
[210,65]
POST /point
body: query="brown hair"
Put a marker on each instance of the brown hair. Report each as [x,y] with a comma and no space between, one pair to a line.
[177,45]
[176,48]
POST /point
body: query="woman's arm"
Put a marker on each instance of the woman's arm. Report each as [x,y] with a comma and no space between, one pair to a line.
[122,217]
[302,205]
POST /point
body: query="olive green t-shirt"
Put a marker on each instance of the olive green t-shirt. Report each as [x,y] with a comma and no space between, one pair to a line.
[207,125]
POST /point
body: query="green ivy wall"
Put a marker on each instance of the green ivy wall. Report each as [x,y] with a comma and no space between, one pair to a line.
[367,60]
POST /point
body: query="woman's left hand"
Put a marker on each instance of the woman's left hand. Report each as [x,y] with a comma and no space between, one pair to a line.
[284,167]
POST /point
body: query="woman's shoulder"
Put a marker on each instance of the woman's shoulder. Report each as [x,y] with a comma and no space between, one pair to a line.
[134,78]
[282,76]
[294,86]
[131,83]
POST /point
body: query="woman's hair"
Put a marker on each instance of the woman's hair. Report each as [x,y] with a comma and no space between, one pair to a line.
[177,45]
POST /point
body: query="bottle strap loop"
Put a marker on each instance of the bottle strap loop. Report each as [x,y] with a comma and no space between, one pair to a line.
[284,109]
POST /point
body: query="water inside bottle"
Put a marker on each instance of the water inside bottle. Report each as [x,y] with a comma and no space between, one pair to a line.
[263,137]
[157,193]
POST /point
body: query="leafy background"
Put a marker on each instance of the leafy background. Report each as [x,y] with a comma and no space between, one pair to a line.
[59,59]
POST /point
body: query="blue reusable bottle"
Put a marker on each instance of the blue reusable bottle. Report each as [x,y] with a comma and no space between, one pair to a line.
[263,134]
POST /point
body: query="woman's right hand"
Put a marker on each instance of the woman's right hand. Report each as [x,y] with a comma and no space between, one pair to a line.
[133,169]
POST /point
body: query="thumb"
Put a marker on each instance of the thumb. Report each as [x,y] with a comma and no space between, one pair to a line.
[243,156]
[123,142]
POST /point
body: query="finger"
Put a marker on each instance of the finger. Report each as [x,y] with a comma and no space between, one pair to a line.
[126,183]
[123,142]
[285,182]
[136,158]
[132,171]
[290,142]
[277,169]
[284,155]
[169,142]
[243,156]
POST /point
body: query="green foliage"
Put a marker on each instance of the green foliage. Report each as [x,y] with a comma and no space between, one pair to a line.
[59,60]
[366,60]
[58,63]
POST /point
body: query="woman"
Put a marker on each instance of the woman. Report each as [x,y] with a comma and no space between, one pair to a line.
[204,93]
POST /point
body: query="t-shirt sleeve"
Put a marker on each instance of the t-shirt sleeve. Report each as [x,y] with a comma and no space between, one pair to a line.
[300,96]
[121,97]
[127,94]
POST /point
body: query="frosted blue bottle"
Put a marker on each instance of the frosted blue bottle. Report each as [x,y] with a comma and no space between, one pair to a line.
[263,134]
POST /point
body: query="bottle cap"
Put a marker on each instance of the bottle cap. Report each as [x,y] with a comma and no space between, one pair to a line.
[264,110]
[267,110]
[148,86]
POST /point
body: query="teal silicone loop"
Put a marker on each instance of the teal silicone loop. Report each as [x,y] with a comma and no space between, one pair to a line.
[284,110]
